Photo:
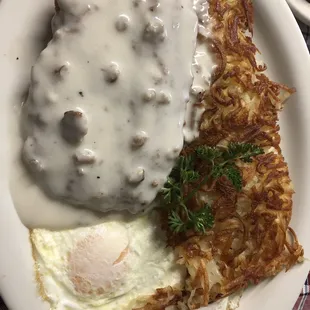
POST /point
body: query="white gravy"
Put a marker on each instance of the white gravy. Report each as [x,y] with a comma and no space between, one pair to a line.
[202,68]
[123,74]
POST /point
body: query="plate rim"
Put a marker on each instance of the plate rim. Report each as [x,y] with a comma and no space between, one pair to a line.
[301,8]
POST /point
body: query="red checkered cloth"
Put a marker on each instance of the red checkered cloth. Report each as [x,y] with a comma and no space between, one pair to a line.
[303,302]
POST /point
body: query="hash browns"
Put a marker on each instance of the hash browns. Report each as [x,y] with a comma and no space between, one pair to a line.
[251,239]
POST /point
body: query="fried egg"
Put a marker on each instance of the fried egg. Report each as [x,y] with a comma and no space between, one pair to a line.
[104,267]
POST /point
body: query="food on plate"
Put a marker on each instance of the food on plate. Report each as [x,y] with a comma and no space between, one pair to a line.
[95,135]
[249,197]
[220,221]
[106,266]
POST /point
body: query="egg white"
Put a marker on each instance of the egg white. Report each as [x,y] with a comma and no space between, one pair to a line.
[104,267]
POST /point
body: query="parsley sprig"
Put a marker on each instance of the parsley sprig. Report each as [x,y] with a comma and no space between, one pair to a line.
[192,171]
[198,221]
[223,162]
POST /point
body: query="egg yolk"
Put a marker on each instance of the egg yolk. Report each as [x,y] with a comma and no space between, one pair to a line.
[97,264]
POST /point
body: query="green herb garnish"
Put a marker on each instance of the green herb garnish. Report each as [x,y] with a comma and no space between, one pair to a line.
[211,163]
[199,220]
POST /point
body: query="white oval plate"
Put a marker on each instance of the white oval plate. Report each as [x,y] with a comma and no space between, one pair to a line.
[301,8]
[23,27]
